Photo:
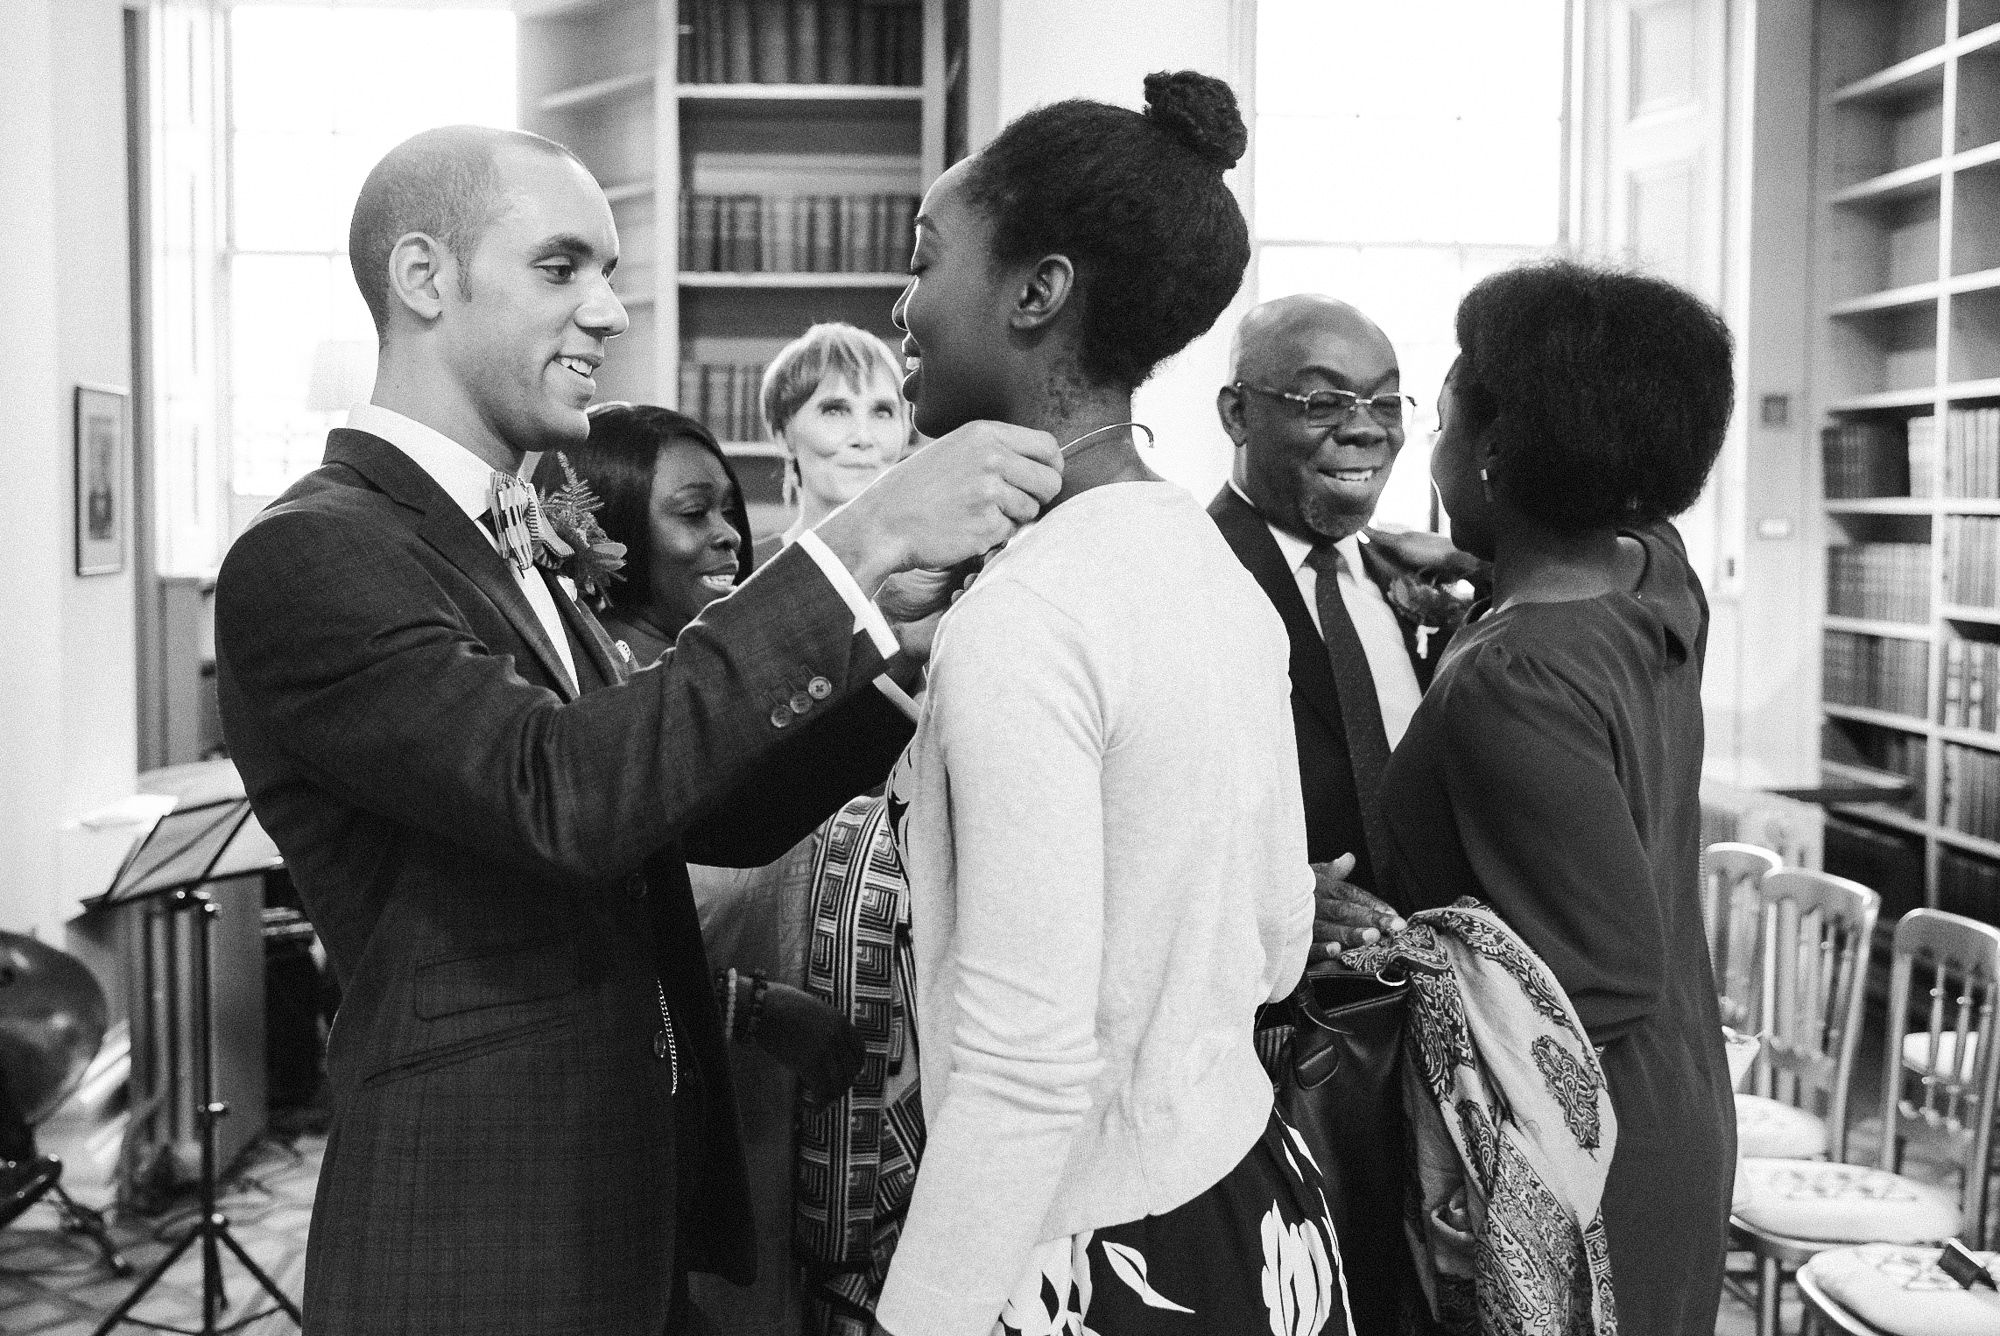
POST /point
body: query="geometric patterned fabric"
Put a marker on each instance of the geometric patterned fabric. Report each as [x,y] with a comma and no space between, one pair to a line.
[857,1155]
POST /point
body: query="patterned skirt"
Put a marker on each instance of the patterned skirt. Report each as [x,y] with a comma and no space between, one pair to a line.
[1253,1254]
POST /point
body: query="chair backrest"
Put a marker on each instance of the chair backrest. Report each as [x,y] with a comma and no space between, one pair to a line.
[1734,918]
[1816,933]
[1941,1065]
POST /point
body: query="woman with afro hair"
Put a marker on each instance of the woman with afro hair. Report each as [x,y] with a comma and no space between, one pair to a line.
[1553,770]
[1100,814]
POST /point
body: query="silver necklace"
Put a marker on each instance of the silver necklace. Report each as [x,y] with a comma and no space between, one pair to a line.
[1101,430]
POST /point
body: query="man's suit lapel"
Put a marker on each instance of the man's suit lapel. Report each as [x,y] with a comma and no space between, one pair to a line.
[586,631]
[454,537]
[1245,531]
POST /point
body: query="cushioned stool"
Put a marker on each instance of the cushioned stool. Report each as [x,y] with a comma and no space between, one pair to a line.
[1771,1129]
[1838,1203]
[1899,1290]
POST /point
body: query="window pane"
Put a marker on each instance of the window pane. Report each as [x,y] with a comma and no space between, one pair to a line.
[1403,153]
[318,94]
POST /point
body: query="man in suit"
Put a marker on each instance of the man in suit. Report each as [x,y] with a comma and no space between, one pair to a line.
[488,814]
[1315,410]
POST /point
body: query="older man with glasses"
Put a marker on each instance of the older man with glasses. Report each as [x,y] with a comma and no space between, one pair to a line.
[1316,412]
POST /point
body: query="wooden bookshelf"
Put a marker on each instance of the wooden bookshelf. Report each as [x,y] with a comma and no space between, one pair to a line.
[1907,234]
[641,90]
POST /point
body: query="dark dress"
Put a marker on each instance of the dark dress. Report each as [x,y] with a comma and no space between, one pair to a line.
[1553,771]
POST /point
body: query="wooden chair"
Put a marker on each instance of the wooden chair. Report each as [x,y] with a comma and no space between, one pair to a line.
[1816,933]
[1733,916]
[1801,1208]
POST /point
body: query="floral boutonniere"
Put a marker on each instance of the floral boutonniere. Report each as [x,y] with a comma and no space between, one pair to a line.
[570,541]
[1427,581]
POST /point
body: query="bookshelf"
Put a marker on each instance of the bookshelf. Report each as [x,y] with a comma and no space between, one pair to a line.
[1907,356]
[763,159]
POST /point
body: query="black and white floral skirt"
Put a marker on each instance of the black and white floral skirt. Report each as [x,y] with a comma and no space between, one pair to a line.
[1253,1254]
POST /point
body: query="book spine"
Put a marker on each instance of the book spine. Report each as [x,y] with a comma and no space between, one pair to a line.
[825,248]
[773,22]
[836,40]
[715,41]
[910,45]
[804,19]
[689,400]
[742,52]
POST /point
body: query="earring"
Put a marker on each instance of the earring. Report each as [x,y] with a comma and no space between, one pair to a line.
[1486,484]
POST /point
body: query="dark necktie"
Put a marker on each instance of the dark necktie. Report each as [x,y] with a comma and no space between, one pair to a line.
[1360,710]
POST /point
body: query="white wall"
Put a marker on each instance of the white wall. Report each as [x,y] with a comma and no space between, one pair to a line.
[68,729]
[1030,52]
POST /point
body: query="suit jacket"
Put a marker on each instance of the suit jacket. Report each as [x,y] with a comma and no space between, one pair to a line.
[1326,775]
[1382,1285]
[497,867]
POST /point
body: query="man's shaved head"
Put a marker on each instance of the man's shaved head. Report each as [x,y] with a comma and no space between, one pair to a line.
[443,183]
[1317,483]
[1276,337]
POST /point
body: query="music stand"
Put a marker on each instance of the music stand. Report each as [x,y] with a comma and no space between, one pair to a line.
[189,850]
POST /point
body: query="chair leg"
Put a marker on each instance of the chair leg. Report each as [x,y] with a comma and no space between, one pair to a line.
[1769,1281]
[80,1219]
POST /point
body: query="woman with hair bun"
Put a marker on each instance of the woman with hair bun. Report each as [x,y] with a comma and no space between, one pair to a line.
[1100,815]
[1553,770]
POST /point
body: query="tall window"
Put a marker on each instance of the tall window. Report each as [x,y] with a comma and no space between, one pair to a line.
[317,93]
[1404,152]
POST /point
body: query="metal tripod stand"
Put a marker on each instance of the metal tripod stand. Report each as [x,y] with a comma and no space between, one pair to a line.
[211,1227]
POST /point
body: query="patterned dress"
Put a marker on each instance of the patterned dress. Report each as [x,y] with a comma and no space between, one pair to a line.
[1197,1268]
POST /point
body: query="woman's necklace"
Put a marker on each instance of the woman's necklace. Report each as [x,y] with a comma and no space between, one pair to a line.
[1101,430]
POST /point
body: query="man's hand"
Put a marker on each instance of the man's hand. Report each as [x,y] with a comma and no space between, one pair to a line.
[1347,915]
[818,1043]
[914,602]
[957,498]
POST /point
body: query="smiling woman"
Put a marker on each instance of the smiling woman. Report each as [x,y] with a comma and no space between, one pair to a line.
[670,496]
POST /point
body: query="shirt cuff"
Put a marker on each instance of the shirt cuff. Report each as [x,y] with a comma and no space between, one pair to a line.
[867,617]
[898,697]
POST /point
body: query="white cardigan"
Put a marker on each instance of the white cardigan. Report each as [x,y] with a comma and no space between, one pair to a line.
[1107,865]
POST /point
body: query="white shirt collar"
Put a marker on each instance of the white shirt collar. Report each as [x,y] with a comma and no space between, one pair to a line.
[465,477]
[1296,549]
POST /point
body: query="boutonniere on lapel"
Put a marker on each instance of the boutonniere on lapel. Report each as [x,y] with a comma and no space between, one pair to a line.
[1428,580]
[570,541]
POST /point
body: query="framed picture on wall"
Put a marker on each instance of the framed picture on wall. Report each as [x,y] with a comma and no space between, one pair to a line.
[103,478]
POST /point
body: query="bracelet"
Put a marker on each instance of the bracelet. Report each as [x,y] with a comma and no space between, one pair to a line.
[759,985]
[729,1004]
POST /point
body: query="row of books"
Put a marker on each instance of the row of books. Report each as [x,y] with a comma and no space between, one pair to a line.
[1900,457]
[802,42]
[724,396]
[1883,749]
[797,234]
[1971,685]
[1870,457]
[1884,581]
[1968,885]
[1972,560]
[1971,791]
[1972,452]
[1875,672]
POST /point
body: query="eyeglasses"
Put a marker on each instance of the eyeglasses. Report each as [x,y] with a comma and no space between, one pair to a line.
[1330,408]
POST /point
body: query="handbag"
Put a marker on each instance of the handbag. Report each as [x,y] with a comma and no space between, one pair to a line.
[1338,1082]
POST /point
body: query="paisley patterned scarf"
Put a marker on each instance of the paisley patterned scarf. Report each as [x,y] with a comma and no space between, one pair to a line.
[1513,1127]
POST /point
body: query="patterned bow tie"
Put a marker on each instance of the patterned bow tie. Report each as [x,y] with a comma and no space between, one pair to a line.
[516,522]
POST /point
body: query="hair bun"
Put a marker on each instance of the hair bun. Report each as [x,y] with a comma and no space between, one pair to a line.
[1200,111]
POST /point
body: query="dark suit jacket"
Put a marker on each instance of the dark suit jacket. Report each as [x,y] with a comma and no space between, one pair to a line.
[497,869]
[1326,775]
